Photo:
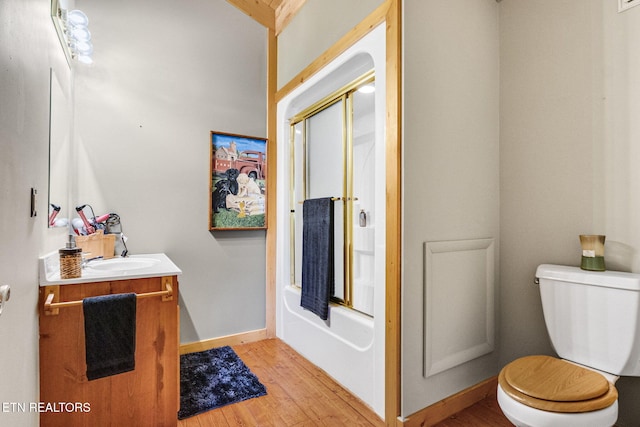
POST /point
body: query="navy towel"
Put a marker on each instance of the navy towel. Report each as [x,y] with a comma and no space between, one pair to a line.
[110,334]
[317,255]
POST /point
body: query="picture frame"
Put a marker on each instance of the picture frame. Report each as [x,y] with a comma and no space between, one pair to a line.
[237,182]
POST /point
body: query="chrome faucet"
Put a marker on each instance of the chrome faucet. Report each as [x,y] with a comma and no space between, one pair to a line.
[87,261]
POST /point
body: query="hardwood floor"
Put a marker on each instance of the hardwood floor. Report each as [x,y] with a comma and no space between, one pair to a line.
[485,413]
[298,394]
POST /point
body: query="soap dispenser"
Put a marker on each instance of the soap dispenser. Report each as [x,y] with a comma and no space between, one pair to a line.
[70,260]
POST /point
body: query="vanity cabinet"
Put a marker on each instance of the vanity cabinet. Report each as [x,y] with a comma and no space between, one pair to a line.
[146,396]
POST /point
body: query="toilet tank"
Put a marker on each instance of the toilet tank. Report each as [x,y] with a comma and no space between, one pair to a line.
[593,318]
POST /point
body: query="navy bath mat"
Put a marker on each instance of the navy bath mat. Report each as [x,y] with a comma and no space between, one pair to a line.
[214,378]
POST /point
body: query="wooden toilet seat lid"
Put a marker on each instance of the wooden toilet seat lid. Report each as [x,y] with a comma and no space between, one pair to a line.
[551,384]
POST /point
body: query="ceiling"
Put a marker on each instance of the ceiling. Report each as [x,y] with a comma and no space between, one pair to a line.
[273,14]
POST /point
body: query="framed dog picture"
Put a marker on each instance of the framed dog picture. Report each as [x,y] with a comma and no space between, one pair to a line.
[238,182]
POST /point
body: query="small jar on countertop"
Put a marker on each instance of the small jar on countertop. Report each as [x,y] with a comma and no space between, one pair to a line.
[70,260]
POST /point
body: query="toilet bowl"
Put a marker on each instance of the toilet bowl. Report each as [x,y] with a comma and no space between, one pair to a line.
[542,391]
[593,321]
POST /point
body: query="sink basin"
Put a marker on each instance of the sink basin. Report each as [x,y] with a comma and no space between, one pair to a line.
[122,264]
[136,266]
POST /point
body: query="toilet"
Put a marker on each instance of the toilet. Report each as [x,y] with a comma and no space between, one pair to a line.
[593,320]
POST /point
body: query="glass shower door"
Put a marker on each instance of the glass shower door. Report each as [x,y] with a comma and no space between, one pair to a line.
[333,155]
[326,177]
[318,172]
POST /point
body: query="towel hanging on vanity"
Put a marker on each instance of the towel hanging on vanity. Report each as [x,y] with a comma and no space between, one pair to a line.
[318,280]
[110,334]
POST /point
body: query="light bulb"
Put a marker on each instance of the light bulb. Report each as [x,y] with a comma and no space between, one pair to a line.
[80,34]
[82,47]
[77,18]
[85,59]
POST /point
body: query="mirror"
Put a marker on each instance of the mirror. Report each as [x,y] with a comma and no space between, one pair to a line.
[59,147]
[61,167]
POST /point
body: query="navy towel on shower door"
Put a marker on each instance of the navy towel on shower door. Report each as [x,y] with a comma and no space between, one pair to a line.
[110,334]
[317,255]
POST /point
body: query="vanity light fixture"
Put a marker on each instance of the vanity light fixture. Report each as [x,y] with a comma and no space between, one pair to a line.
[74,32]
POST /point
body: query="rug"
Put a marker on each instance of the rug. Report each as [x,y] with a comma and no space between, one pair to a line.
[214,378]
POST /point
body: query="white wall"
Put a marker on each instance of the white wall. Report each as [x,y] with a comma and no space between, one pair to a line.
[316,27]
[164,76]
[569,153]
[550,86]
[620,153]
[29,47]
[451,191]
[621,157]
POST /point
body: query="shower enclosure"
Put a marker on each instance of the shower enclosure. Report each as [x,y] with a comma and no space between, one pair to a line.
[331,144]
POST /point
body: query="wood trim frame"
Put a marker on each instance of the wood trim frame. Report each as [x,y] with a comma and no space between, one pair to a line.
[451,405]
[393,338]
[272,158]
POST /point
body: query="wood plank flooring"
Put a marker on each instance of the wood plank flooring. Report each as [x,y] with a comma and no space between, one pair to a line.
[485,413]
[299,394]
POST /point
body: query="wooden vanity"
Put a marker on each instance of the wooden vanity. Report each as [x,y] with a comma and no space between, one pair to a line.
[146,396]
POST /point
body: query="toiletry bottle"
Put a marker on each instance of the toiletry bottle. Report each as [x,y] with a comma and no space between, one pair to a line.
[363,218]
[70,260]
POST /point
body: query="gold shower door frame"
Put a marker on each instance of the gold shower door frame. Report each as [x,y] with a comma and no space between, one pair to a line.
[344,95]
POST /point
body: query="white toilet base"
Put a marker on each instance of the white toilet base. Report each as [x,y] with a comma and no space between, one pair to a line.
[526,416]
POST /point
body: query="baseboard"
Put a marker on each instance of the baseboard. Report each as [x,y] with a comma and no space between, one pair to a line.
[451,405]
[235,339]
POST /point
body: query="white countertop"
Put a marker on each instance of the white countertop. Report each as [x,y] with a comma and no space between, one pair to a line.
[117,268]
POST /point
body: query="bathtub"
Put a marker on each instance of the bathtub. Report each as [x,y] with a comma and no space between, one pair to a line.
[342,346]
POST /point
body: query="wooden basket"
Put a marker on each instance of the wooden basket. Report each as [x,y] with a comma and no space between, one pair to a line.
[97,244]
